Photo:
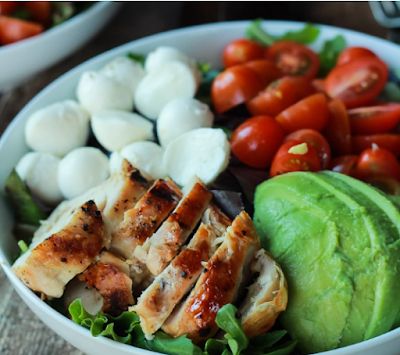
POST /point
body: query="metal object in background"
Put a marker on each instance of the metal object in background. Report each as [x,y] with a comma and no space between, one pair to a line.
[387,14]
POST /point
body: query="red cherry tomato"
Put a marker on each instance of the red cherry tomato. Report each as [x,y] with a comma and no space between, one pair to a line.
[256,141]
[274,99]
[357,82]
[233,87]
[40,10]
[286,161]
[294,58]
[14,30]
[241,51]
[316,140]
[377,161]
[390,142]
[351,53]
[319,85]
[303,87]
[311,112]
[8,7]
[374,119]
[266,69]
[337,130]
[386,184]
[345,164]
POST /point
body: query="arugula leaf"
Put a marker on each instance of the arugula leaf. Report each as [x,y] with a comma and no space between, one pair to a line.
[164,343]
[329,54]
[228,321]
[204,91]
[140,58]
[390,93]
[62,11]
[308,34]
[215,346]
[283,349]
[25,209]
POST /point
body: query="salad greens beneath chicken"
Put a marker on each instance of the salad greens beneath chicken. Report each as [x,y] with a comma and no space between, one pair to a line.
[130,206]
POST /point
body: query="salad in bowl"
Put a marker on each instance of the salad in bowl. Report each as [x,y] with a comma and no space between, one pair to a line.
[132,175]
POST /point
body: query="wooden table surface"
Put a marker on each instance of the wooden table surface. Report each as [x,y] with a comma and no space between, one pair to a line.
[21,332]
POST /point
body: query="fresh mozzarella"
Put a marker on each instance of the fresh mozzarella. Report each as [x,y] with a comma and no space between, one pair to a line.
[203,152]
[125,71]
[147,157]
[115,162]
[39,171]
[97,91]
[82,169]
[164,54]
[181,116]
[116,129]
[58,128]
[164,84]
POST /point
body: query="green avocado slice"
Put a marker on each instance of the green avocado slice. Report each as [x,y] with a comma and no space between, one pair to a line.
[326,243]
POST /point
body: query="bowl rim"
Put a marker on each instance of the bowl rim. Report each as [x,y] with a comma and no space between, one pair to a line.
[53,31]
[364,345]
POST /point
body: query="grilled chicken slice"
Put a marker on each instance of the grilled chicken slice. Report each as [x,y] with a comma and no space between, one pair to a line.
[51,263]
[217,219]
[218,284]
[109,276]
[267,296]
[142,221]
[158,301]
[113,197]
[164,245]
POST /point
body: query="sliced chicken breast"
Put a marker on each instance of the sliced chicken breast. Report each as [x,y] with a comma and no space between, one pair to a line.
[158,301]
[109,276]
[217,219]
[218,284]
[164,245]
[142,221]
[51,263]
[267,296]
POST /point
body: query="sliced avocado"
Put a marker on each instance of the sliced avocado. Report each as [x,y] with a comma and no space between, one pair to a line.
[331,251]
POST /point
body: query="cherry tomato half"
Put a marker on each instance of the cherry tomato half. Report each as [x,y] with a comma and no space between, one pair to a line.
[8,7]
[390,142]
[256,141]
[294,58]
[319,85]
[241,51]
[374,119]
[303,87]
[357,82]
[311,112]
[337,130]
[266,69]
[377,161]
[40,10]
[14,30]
[234,86]
[274,99]
[345,164]
[286,161]
[351,53]
[316,140]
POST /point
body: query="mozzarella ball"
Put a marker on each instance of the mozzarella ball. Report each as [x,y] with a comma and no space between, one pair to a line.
[82,169]
[116,129]
[162,55]
[203,152]
[40,171]
[168,82]
[97,91]
[126,71]
[147,157]
[181,116]
[115,162]
[57,129]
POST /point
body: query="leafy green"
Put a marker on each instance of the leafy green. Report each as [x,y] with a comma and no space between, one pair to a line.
[22,203]
[308,34]
[22,14]
[140,58]
[208,76]
[62,11]
[22,245]
[329,54]
[390,93]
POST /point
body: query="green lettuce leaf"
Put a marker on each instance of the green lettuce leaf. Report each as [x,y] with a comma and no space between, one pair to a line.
[140,58]
[308,34]
[208,75]
[21,201]
[390,93]
[329,54]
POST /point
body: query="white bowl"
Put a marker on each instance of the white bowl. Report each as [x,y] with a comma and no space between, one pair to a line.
[28,57]
[205,44]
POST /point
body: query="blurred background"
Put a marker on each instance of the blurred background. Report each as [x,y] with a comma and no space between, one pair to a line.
[135,20]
